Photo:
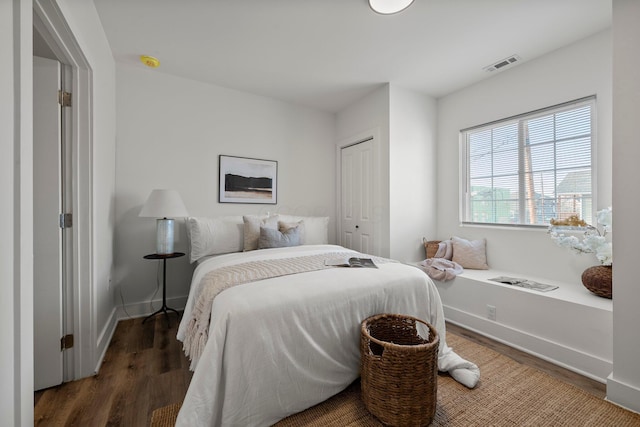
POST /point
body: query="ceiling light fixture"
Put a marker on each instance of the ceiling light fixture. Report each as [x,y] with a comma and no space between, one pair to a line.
[389,7]
[150,61]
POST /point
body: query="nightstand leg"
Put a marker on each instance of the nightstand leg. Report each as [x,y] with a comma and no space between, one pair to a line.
[164,307]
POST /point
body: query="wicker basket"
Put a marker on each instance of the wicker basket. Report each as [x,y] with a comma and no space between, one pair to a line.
[598,279]
[430,247]
[399,369]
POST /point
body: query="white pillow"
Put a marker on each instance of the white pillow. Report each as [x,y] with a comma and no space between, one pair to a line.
[470,253]
[316,228]
[252,224]
[213,236]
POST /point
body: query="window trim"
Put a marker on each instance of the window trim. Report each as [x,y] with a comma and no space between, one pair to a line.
[463,195]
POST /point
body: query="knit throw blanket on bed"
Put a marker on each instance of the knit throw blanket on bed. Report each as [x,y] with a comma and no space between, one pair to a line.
[218,280]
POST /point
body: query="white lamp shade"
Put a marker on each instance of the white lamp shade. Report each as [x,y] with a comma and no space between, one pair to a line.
[164,204]
[388,7]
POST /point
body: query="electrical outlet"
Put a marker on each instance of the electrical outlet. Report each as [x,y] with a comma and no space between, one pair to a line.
[491,312]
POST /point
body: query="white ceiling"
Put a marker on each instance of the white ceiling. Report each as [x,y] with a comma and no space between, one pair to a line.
[328,53]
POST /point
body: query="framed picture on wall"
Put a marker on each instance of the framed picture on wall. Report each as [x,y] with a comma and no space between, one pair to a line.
[247,180]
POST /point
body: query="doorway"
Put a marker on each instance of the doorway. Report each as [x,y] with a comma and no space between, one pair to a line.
[50,242]
[52,33]
[358,195]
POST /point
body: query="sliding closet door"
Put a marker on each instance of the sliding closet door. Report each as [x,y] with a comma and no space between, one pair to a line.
[357,182]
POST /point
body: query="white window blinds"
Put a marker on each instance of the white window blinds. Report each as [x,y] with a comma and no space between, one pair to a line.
[529,169]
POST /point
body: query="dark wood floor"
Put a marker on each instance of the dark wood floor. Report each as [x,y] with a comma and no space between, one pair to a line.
[145,369]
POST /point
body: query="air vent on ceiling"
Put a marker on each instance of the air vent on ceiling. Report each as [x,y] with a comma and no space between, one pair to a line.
[503,63]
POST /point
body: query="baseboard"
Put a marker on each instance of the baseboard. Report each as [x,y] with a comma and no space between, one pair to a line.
[622,394]
[141,309]
[569,358]
[104,339]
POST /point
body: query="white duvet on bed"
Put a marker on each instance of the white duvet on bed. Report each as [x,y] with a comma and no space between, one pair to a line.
[280,345]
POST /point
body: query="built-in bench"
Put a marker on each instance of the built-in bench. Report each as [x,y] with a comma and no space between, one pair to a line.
[568,326]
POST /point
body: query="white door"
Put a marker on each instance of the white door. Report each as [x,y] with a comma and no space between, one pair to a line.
[357,181]
[47,234]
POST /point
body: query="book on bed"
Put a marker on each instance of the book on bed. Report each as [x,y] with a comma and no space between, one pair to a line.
[351,262]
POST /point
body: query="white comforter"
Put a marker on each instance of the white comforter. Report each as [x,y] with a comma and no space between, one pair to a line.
[281,345]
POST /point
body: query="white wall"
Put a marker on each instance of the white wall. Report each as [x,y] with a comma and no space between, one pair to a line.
[170,133]
[623,386]
[405,122]
[16,214]
[366,117]
[573,72]
[579,70]
[412,166]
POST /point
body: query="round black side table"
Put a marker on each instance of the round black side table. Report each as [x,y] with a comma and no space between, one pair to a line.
[164,308]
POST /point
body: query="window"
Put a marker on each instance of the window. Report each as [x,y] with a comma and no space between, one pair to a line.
[528,169]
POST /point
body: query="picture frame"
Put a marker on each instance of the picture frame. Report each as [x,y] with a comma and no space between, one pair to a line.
[247,180]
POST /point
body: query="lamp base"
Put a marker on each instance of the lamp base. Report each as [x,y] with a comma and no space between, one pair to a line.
[164,237]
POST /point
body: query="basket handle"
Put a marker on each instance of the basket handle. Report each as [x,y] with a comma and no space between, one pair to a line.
[376,349]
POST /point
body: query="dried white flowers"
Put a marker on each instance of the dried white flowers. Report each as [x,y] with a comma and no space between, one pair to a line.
[593,241]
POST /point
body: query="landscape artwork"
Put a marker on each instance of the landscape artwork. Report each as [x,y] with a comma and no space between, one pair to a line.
[247,180]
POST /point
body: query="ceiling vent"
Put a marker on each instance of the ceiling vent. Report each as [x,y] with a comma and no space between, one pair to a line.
[503,63]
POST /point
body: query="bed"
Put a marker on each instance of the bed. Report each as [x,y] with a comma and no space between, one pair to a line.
[282,342]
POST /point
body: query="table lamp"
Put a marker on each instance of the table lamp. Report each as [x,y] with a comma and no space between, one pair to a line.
[164,205]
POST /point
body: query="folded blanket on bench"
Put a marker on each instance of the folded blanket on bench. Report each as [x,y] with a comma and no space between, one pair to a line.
[441,269]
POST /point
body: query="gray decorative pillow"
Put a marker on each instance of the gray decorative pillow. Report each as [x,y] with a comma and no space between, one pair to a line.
[316,228]
[470,253]
[284,226]
[272,238]
[252,224]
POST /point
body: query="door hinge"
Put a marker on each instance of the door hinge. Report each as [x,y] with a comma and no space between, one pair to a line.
[64,98]
[66,220]
[66,342]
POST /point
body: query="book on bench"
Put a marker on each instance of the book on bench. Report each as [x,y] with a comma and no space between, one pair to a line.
[351,262]
[524,283]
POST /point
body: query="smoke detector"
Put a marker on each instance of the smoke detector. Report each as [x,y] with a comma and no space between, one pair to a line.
[150,61]
[510,60]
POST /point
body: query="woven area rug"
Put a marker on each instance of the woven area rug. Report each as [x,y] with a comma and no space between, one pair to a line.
[509,394]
